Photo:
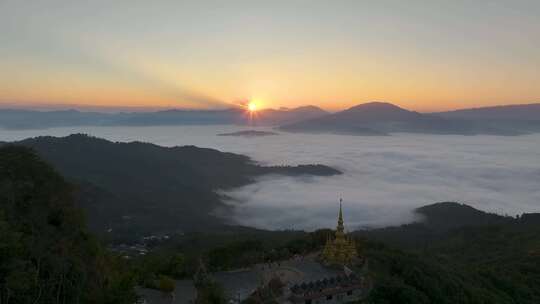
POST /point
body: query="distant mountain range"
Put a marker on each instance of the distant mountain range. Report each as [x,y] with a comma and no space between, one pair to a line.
[380,118]
[28,119]
[374,118]
[524,112]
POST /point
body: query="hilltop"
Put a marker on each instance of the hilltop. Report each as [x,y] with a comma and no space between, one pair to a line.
[518,118]
[435,220]
[523,112]
[249,133]
[133,189]
[382,118]
[456,254]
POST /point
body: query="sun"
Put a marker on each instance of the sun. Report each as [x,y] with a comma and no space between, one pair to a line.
[252,106]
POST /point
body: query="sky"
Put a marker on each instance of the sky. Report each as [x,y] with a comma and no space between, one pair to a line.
[421,55]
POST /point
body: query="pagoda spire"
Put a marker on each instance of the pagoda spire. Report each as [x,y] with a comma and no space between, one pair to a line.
[340,250]
[340,226]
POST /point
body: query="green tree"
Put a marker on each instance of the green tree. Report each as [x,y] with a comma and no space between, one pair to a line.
[46,253]
[166,284]
[177,265]
[212,293]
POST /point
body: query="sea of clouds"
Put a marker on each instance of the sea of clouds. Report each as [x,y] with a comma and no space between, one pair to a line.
[385,177]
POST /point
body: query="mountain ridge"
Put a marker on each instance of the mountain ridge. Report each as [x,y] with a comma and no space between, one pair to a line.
[33,119]
[435,220]
[382,118]
[372,118]
[529,111]
[127,186]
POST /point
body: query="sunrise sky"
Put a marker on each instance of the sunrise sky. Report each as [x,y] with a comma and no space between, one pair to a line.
[422,55]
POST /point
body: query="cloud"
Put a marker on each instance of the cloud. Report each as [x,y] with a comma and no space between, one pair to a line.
[384,178]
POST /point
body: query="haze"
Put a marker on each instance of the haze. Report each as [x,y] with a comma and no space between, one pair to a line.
[385,177]
[422,55]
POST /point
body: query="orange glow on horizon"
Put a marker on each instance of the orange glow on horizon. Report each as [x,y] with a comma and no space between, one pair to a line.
[362,52]
[252,106]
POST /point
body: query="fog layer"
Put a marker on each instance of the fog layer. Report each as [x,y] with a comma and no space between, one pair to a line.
[384,178]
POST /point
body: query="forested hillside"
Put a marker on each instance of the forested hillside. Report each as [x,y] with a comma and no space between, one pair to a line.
[133,189]
[46,253]
[456,255]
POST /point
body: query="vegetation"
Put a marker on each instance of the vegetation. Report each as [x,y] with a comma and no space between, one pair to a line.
[491,260]
[129,190]
[46,254]
[208,290]
[267,294]
[466,256]
[211,293]
[436,220]
[457,254]
[166,284]
[178,258]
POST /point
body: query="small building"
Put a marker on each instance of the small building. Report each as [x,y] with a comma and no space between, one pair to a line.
[339,289]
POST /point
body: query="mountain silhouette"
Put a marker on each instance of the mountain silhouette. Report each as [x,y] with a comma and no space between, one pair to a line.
[139,188]
[29,119]
[382,118]
[523,112]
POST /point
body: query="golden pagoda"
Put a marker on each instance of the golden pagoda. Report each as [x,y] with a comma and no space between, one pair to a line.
[340,250]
